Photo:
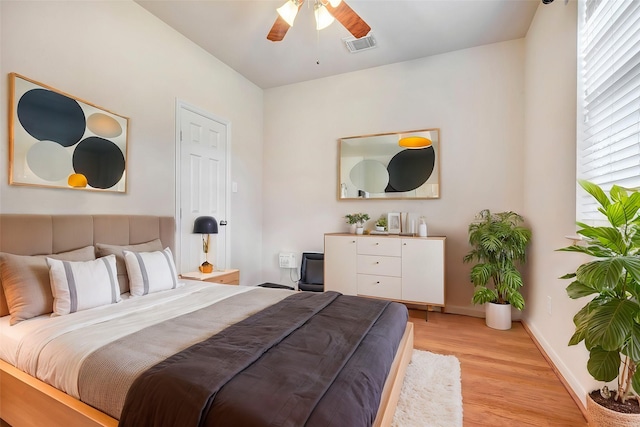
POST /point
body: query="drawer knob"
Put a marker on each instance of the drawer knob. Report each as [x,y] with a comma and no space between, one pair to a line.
[378,282]
[377,243]
[377,262]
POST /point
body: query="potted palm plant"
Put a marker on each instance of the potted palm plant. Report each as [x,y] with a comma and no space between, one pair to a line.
[498,242]
[609,323]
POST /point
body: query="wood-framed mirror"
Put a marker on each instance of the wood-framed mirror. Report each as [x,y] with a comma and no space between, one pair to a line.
[399,165]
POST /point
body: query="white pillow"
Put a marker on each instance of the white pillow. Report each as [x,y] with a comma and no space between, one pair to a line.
[79,285]
[150,271]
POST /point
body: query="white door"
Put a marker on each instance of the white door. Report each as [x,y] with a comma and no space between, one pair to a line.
[202,191]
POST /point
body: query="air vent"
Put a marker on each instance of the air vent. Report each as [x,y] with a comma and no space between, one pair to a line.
[357,45]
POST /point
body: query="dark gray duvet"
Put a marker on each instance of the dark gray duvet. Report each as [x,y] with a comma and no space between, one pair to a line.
[312,359]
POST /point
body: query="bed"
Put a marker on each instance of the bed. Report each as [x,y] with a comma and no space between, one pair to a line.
[239,311]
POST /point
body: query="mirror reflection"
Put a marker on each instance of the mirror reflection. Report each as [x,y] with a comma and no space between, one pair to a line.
[403,165]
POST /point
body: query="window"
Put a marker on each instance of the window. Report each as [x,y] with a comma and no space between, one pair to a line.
[608,97]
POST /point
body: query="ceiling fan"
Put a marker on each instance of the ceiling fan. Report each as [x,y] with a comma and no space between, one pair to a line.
[325,11]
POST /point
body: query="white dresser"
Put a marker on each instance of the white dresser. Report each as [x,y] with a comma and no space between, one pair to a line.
[400,268]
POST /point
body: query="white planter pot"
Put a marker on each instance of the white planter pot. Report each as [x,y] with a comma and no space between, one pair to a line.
[352,228]
[498,316]
[359,230]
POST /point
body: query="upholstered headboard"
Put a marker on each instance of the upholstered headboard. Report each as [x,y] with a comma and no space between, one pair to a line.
[49,234]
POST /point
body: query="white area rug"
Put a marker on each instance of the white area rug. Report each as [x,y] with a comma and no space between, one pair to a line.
[431,395]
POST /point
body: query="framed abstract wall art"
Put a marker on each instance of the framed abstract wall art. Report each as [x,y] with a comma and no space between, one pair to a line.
[57,140]
[398,165]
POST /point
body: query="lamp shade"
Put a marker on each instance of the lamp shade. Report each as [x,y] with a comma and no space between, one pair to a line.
[205,225]
[323,17]
[288,11]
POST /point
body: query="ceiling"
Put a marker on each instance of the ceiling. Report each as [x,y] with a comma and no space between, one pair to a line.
[234,31]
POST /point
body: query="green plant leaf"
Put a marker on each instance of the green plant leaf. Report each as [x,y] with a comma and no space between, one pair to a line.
[596,192]
[618,193]
[578,290]
[609,324]
[511,278]
[484,295]
[608,237]
[632,265]
[635,381]
[633,287]
[568,276]
[577,336]
[631,205]
[481,273]
[616,214]
[632,348]
[595,251]
[601,274]
[515,298]
[603,365]
[581,321]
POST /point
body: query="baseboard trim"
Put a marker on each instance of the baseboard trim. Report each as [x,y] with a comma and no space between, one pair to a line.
[464,310]
[477,311]
[561,377]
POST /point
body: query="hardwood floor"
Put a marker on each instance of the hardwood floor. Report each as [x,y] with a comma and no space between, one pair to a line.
[506,381]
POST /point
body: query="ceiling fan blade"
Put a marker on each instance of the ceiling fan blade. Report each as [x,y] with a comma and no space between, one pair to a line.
[279,29]
[349,19]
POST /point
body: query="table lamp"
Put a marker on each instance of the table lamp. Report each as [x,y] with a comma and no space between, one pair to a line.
[205,225]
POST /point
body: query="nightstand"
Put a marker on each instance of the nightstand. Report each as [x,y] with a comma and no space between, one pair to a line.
[225,277]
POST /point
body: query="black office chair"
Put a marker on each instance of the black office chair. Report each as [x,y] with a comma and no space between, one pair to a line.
[312,272]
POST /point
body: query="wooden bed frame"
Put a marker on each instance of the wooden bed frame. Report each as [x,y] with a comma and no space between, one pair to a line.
[27,401]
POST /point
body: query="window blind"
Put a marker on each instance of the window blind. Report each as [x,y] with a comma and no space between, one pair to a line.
[608,149]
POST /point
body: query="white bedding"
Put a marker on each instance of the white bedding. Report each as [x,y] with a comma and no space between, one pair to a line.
[30,345]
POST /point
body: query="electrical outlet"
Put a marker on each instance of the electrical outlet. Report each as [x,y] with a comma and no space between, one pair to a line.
[287,260]
[549,305]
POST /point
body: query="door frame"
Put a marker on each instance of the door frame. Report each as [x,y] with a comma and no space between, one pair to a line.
[180,105]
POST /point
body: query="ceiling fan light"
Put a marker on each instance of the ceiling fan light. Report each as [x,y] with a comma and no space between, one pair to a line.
[414,142]
[288,11]
[323,17]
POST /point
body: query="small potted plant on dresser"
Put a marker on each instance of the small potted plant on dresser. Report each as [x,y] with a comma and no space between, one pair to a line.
[381,223]
[356,221]
[609,323]
[498,242]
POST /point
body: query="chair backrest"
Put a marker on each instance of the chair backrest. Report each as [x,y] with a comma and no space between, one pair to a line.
[312,268]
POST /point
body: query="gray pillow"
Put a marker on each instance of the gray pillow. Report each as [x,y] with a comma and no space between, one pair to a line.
[315,271]
[25,280]
[103,249]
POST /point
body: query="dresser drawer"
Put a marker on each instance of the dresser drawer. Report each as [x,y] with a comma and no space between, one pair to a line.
[380,265]
[379,286]
[379,246]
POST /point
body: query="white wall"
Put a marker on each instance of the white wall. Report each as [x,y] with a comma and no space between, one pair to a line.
[118,56]
[550,185]
[474,96]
